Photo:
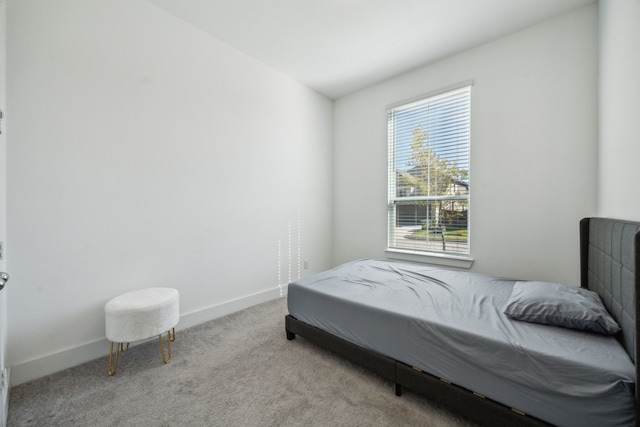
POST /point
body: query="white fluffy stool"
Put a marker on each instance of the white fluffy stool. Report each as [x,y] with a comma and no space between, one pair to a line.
[139,315]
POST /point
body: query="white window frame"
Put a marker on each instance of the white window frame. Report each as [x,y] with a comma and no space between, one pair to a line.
[430,255]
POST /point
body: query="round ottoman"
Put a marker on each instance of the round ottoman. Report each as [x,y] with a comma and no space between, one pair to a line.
[139,315]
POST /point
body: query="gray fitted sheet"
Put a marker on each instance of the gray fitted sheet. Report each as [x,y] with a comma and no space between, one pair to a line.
[451,325]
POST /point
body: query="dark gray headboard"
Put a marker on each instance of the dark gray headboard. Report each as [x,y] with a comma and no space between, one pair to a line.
[610,266]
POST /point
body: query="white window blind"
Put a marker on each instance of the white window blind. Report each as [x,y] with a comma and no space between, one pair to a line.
[429,174]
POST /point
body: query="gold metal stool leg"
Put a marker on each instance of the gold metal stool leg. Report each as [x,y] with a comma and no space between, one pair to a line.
[113,362]
[164,359]
[172,334]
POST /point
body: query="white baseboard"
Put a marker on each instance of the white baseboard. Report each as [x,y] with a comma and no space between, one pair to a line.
[54,362]
[197,317]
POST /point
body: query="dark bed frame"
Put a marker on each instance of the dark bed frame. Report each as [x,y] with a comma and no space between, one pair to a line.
[609,265]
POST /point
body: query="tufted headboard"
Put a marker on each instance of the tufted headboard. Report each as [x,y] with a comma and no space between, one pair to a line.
[610,266]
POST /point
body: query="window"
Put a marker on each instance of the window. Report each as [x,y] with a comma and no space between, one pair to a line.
[429,174]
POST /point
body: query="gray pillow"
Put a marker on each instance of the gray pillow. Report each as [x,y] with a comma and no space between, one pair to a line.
[560,305]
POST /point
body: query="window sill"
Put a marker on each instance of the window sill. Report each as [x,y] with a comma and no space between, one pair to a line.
[459,261]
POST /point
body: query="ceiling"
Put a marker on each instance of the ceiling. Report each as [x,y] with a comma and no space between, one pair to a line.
[340,46]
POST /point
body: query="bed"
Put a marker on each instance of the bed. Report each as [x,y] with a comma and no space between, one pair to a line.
[444,334]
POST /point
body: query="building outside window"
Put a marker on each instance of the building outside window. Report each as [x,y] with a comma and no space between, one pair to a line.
[429,171]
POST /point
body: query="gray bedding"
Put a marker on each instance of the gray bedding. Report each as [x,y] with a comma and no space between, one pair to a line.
[451,325]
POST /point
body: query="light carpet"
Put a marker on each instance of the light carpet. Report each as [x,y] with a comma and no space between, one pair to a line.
[238,370]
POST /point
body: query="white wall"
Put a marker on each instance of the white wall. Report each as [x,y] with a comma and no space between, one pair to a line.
[4,392]
[144,152]
[533,149]
[619,149]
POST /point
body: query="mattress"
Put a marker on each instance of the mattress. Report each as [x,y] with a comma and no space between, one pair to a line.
[450,324]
